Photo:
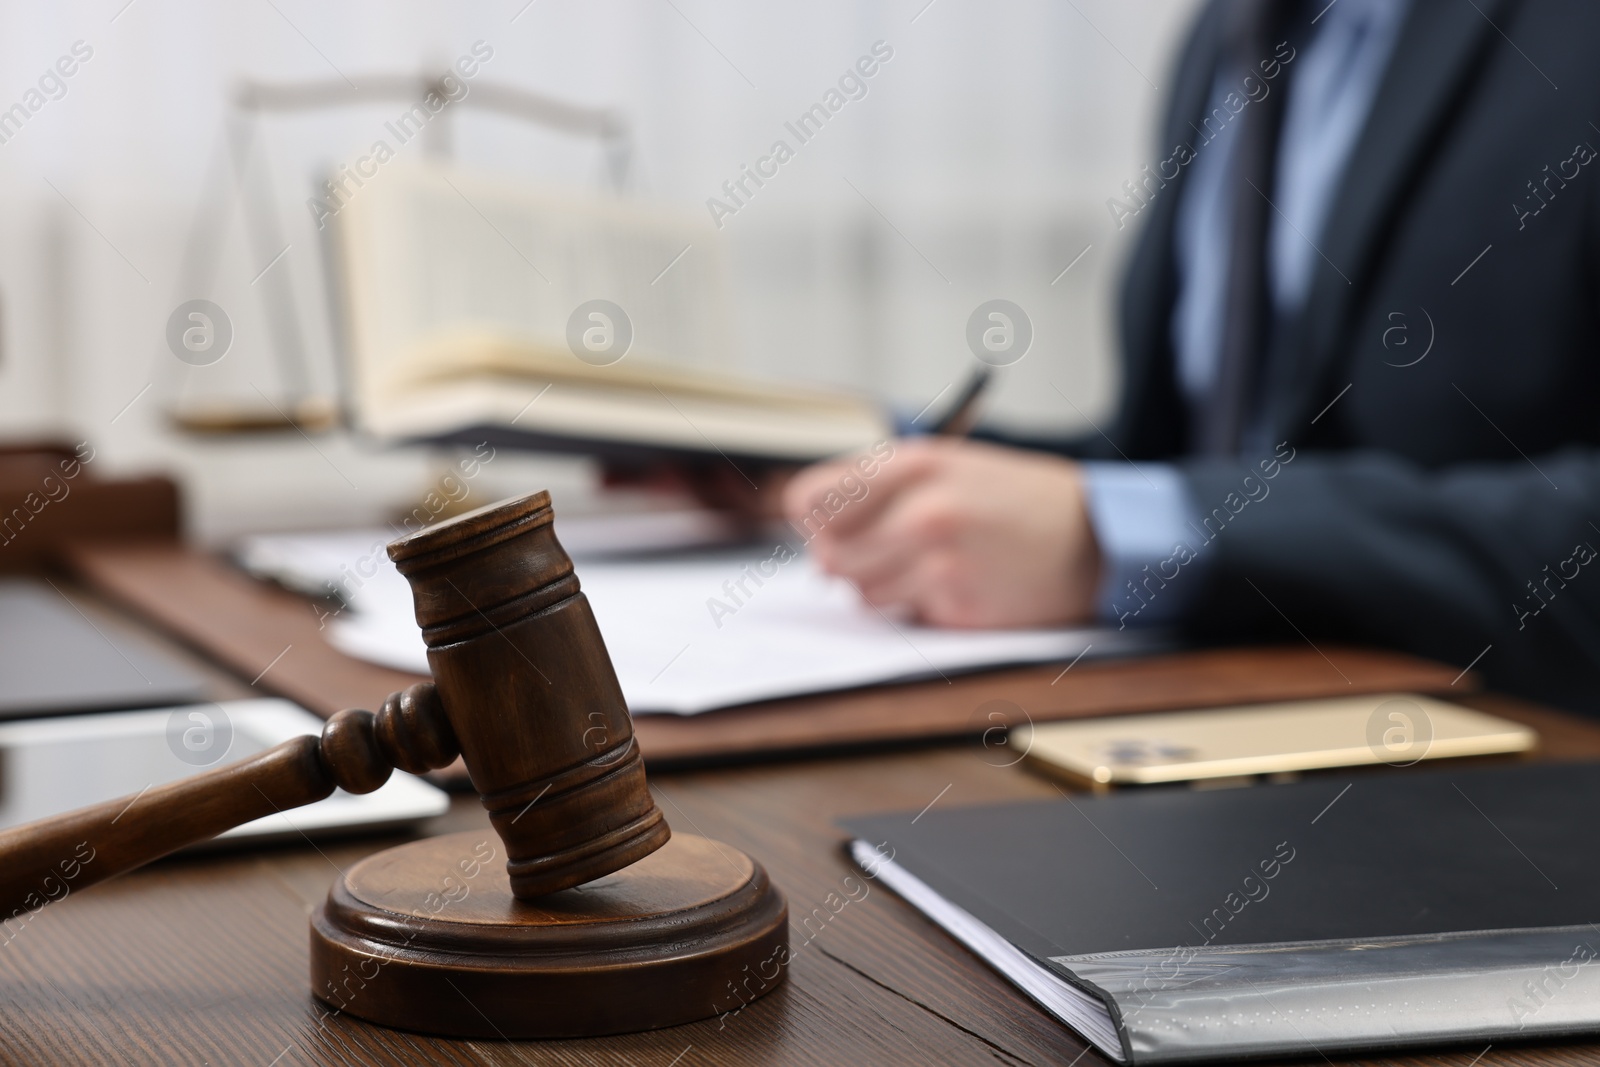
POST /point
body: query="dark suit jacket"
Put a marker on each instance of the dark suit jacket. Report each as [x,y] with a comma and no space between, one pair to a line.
[1453,504]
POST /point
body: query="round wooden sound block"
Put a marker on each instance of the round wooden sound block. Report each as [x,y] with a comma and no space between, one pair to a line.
[428,937]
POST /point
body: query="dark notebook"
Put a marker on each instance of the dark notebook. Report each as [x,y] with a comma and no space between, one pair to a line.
[54,659]
[1388,910]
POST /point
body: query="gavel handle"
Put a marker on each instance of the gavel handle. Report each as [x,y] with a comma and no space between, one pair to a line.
[46,860]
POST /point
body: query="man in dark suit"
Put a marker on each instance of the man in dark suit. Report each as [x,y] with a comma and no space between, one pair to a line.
[1360,397]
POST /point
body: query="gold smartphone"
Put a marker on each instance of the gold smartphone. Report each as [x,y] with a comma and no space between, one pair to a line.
[1265,739]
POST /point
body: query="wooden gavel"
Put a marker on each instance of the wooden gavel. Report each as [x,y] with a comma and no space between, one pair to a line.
[525,693]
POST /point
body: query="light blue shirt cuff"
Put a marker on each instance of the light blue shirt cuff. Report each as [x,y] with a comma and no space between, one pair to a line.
[1142,520]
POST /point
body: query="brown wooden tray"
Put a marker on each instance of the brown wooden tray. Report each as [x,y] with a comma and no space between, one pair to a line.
[274,637]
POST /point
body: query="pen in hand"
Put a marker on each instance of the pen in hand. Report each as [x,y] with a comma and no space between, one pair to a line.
[963,413]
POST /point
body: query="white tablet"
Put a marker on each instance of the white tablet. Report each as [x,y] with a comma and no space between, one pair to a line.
[50,766]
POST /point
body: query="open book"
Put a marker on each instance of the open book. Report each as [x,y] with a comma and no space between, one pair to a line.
[482,309]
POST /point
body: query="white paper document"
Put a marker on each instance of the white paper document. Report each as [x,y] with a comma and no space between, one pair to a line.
[688,634]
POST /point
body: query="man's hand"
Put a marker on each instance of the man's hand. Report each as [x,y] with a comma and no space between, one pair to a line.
[955,533]
[750,493]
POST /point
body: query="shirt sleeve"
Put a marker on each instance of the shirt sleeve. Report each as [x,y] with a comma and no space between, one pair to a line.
[1144,518]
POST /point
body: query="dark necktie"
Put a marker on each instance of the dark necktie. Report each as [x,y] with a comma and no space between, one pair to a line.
[1248,39]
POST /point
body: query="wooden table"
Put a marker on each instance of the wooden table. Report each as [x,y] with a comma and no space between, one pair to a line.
[203,959]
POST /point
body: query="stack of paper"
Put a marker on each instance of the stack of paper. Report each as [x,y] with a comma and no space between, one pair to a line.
[691,633]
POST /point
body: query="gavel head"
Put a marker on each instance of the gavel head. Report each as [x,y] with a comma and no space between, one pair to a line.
[524,679]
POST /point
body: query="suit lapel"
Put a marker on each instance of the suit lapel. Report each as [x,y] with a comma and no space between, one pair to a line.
[1432,58]
[1151,418]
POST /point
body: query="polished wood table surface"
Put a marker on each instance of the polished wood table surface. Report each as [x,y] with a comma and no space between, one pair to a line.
[203,959]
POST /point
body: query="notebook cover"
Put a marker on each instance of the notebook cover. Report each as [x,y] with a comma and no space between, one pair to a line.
[1339,860]
[53,660]
[1410,851]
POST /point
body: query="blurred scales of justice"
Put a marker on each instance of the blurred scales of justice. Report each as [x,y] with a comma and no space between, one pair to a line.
[458,306]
